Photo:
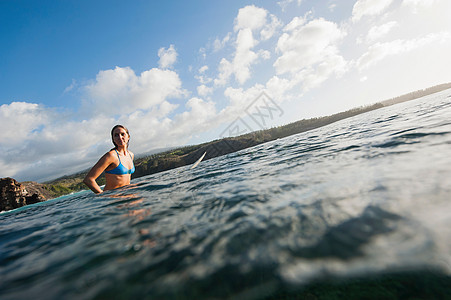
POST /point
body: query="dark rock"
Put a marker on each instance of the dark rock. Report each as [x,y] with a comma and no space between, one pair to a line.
[14,195]
[35,198]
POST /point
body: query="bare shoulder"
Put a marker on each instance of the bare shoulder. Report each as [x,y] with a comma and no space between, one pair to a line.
[112,153]
[132,154]
[103,163]
[109,156]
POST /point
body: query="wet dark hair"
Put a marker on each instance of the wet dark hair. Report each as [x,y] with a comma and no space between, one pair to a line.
[112,132]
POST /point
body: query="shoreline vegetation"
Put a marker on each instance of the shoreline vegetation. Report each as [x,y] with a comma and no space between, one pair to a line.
[181,156]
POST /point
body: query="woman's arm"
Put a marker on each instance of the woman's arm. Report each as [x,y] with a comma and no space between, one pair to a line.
[94,173]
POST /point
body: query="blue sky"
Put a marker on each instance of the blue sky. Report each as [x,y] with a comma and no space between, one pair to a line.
[183,72]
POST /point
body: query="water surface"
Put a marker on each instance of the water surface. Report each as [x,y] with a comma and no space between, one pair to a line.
[358,205]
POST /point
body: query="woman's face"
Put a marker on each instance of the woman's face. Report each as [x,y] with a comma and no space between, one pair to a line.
[120,137]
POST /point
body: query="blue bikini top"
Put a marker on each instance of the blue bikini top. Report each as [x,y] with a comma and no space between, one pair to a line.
[121,169]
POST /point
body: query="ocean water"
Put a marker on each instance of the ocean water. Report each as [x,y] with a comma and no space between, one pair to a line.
[356,209]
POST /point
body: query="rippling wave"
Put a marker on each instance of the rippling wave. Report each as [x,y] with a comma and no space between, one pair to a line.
[356,209]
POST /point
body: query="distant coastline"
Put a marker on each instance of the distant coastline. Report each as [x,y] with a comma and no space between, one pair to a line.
[182,156]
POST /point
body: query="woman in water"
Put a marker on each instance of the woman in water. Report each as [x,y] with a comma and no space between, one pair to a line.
[117,163]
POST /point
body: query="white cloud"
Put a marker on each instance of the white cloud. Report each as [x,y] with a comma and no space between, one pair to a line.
[332,64]
[53,146]
[270,29]
[203,79]
[417,5]
[280,88]
[203,52]
[309,54]
[71,86]
[121,91]
[332,7]
[225,71]
[379,51]
[285,3]
[419,2]
[264,54]
[243,104]
[239,100]
[204,90]
[244,56]
[250,20]
[203,69]
[219,44]
[295,23]
[193,120]
[19,120]
[167,57]
[250,17]
[303,46]
[378,32]
[369,8]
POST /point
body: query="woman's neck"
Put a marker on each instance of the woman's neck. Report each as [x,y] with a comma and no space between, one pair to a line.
[121,150]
